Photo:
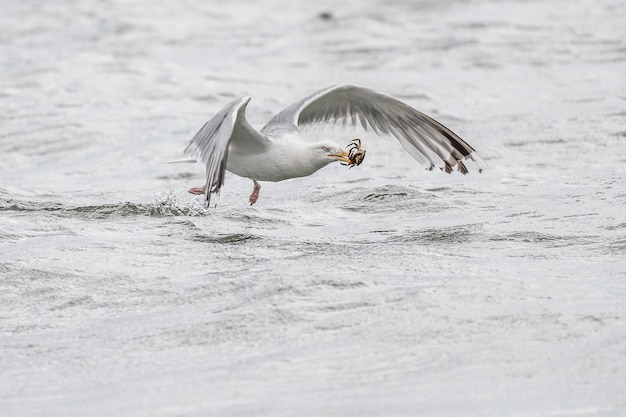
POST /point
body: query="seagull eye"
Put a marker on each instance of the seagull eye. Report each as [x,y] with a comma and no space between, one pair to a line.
[325,148]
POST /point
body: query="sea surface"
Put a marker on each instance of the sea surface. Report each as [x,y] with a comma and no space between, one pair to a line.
[382,290]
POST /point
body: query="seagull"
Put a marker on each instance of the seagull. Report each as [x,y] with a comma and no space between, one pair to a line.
[227,142]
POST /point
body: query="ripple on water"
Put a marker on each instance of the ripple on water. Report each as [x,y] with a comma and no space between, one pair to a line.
[442,235]
[551,240]
[387,198]
[96,211]
[162,207]
[225,238]
[261,217]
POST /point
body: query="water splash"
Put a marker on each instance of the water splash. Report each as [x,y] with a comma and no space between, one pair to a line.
[168,204]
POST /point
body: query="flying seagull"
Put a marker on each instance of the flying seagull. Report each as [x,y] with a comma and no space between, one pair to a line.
[228,142]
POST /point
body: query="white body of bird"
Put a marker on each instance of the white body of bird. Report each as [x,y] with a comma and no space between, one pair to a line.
[284,157]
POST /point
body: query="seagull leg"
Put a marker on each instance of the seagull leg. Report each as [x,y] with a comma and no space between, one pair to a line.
[255,192]
[196,190]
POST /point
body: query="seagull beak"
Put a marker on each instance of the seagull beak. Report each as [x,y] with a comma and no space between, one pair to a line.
[342,156]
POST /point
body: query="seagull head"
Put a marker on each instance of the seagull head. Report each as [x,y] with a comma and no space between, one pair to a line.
[328,151]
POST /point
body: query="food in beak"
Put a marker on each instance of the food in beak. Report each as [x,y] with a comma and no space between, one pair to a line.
[343,157]
[355,153]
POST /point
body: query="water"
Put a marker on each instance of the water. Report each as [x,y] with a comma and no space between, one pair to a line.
[380,290]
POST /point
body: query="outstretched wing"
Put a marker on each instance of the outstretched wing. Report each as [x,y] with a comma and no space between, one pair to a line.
[428,141]
[210,144]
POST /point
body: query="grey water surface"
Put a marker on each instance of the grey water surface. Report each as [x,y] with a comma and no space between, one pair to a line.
[383,290]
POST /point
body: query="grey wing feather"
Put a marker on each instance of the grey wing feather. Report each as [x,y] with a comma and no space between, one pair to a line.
[210,145]
[427,140]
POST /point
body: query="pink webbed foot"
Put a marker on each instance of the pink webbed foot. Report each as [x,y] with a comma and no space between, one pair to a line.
[196,190]
[255,193]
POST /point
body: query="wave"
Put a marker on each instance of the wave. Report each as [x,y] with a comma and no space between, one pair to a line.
[163,206]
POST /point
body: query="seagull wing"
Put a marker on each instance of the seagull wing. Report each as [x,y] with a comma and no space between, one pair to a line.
[210,145]
[428,141]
